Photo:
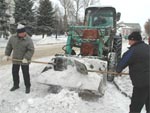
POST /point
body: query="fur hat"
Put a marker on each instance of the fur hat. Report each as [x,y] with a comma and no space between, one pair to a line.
[135,36]
[20,28]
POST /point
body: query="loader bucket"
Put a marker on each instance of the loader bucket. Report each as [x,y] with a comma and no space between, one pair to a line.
[72,78]
[59,64]
[81,68]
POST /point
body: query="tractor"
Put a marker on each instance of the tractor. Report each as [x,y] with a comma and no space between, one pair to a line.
[96,44]
[98,37]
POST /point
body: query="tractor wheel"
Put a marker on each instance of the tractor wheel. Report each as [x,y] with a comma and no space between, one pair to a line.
[117,47]
[111,65]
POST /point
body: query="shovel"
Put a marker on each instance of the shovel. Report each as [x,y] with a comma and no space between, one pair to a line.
[81,68]
[59,64]
[32,61]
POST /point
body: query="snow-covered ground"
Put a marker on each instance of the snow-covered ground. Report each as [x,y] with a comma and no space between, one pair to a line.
[40,100]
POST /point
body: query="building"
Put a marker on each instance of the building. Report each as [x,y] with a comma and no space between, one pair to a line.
[126,28]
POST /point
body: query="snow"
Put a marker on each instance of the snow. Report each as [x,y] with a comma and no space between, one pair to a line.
[73,77]
[41,100]
[3,43]
[48,39]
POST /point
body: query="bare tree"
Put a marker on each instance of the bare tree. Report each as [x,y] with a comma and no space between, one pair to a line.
[72,10]
[59,26]
[86,3]
[147,27]
[77,7]
[66,4]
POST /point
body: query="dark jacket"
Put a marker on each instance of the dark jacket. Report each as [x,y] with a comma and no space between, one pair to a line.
[138,60]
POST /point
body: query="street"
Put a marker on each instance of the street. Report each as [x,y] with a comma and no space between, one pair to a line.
[40,52]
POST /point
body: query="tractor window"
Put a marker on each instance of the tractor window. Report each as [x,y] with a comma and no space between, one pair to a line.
[100,17]
[102,20]
[99,20]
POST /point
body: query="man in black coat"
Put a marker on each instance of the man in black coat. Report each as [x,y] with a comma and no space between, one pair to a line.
[138,60]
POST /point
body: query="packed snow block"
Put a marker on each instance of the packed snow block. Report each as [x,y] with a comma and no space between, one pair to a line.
[71,78]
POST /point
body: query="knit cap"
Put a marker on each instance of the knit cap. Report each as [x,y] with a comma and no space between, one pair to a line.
[20,28]
[135,36]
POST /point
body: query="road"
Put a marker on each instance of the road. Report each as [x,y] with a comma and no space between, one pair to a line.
[40,51]
[48,50]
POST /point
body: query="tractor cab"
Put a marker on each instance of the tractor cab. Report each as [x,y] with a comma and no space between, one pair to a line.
[96,36]
[100,16]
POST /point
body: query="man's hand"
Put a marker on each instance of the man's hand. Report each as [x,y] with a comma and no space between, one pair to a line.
[25,61]
[5,58]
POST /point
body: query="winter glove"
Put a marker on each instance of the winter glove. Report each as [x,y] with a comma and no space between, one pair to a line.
[25,61]
[5,58]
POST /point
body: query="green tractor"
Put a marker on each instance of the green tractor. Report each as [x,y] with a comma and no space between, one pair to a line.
[98,37]
[94,44]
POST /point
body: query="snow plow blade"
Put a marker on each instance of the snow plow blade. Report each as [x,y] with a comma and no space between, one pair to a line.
[71,78]
[81,68]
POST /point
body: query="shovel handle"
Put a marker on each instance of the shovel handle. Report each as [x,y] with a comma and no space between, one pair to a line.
[108,72]
[32,61]
[42,62]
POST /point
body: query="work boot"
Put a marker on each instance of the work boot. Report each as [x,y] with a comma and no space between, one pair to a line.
[27,90]
[14,88]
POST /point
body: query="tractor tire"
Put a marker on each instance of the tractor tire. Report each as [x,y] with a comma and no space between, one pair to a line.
[117,47]
[111,65]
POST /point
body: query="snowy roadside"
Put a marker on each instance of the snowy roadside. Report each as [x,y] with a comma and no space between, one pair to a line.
[42,45]
[41,101]
[39,41]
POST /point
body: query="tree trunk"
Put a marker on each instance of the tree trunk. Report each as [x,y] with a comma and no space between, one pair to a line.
[42,35]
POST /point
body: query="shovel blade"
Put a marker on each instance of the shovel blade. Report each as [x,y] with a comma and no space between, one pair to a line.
[81,68]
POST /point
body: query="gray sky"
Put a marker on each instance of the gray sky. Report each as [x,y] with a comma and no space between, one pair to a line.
[132,11]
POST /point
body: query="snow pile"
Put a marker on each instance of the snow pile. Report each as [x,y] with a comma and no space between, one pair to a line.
[40,100]
[64,102]
[127,88]
[72,77]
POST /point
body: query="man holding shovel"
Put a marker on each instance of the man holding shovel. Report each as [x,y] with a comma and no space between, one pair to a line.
[138,60]
[23,49]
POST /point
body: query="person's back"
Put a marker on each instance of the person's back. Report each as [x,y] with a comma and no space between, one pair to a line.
[140,64]
[138,60]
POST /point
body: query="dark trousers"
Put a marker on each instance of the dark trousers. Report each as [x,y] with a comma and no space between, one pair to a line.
[140,97]
[26,75]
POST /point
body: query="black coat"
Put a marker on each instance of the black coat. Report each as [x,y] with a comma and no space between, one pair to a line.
[138,60]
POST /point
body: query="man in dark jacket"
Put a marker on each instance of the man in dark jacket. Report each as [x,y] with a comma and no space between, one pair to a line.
[138,60]
[23,49]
